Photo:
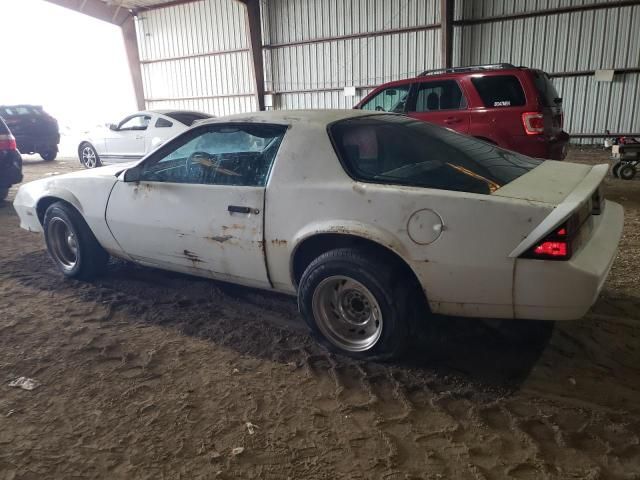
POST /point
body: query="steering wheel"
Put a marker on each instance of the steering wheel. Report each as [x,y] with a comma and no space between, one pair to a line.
[199,162]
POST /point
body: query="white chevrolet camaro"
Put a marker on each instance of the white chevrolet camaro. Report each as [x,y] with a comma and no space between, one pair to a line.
[374,220]
[134,136]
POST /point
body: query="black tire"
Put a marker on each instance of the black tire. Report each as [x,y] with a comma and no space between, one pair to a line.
[49,155]
[627,172]
[90,258]
[84,154]
[384,281]
[615,170]
[4,191]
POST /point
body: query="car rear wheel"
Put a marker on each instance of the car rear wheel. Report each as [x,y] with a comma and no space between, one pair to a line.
[49,155]
[89,157]
[356,304]
[71,244]
[627,172]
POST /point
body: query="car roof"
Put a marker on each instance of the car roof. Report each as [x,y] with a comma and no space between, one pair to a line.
[291,117]
[165,111]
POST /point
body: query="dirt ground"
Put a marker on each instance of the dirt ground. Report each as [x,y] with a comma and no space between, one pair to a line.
[152,375]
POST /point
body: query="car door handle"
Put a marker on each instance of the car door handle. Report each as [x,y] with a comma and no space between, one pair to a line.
[240,209]
[452,120]
[139,137]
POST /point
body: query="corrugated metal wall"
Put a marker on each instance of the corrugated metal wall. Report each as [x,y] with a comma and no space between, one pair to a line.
[576,41]
[196,56]
[313,74]
[314,48]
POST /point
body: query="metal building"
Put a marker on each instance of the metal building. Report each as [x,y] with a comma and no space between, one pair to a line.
[227,56]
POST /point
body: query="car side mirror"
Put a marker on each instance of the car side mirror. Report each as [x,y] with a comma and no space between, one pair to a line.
[112,126]
[132,175]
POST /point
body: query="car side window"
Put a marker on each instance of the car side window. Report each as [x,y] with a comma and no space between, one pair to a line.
[500,90]
[231,154]
[440,95]
[392,99]
[163,123]
[138,122]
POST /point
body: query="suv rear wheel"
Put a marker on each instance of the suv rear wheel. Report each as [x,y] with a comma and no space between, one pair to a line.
[356,304]
[49,155]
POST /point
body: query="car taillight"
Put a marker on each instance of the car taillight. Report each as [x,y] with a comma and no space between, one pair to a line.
[555,246]
[533,123]
[7,142]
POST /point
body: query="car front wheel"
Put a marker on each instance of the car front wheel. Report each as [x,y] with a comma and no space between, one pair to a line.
[89,157]
[71,244]
[356,303]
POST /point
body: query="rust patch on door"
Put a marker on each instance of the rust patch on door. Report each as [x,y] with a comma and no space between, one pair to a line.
[192,257]
[278,242]
[219,238]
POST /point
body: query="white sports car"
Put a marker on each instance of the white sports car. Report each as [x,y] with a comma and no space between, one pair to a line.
[134,136]
[374,220]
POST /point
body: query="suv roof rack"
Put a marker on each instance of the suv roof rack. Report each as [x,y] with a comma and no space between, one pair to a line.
[470,68]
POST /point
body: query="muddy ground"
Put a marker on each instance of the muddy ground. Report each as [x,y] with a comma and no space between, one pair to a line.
[153,375]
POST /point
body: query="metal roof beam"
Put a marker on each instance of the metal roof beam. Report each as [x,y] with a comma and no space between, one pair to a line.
[254,24]
[116,15]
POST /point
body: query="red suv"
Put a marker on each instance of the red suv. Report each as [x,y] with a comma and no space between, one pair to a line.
[516,108]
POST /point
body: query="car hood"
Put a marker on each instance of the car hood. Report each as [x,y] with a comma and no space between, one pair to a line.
[550,182]
[100,172]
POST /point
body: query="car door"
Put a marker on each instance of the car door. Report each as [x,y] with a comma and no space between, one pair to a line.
[441,102]
[197,203]
[127,141]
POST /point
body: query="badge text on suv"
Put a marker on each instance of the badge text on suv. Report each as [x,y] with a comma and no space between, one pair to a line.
[516,108]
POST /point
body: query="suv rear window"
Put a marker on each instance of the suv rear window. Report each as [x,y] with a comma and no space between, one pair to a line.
[500,91]
[20,110]
[400,150]
[546,90]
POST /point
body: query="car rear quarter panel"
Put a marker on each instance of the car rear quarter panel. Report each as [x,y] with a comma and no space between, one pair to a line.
[466,271]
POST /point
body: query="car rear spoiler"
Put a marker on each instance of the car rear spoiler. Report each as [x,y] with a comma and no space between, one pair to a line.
[583,192]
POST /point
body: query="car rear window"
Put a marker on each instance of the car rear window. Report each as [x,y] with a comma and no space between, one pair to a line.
[546,90]
[20,110]
[187,118]
[400,150]
[500,91]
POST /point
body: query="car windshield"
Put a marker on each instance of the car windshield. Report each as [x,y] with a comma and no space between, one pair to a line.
[400,150]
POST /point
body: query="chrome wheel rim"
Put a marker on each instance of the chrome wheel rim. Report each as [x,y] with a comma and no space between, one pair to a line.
[347,313]
[63,243]
[89,157]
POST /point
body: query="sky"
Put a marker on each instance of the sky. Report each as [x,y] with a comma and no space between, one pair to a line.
[73,65]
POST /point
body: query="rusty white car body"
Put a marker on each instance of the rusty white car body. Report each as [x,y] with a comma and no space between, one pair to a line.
[538,246]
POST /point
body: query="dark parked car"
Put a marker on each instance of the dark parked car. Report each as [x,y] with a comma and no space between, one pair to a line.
[35,130]
[10,161]
[516,108]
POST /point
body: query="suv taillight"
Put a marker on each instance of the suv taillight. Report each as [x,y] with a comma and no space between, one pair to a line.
[555,246]
[7,142]
[533,123]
